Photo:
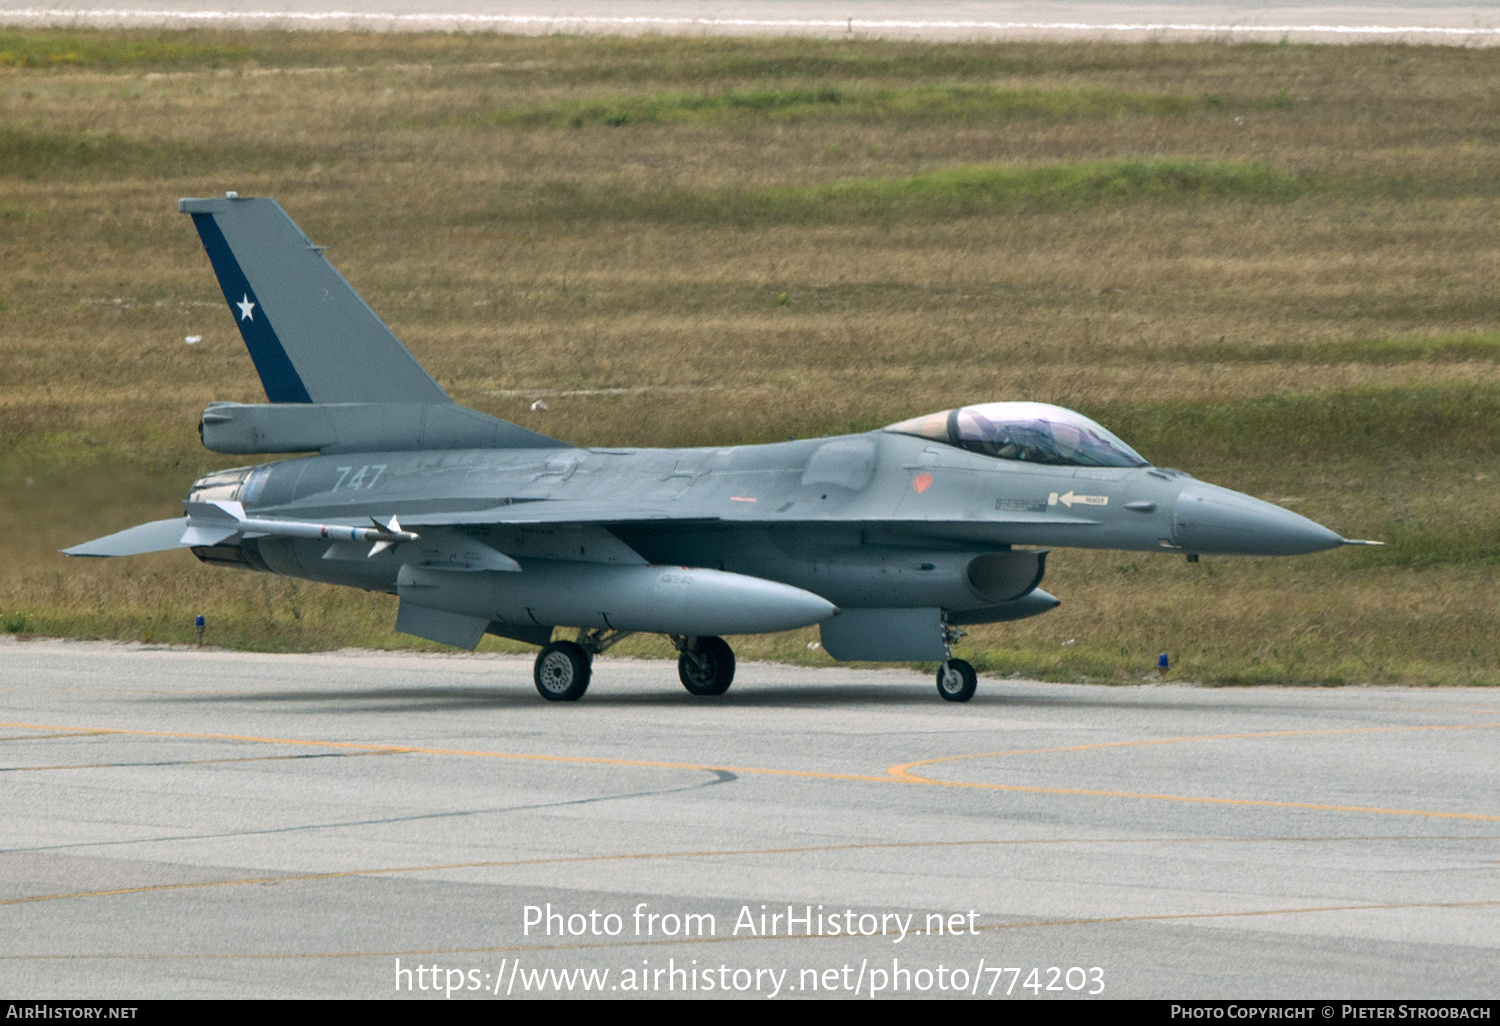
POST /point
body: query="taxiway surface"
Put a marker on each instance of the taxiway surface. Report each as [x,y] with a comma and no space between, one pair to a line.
[202,823]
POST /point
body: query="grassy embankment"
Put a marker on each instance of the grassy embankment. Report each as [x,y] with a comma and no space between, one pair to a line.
[1273,266]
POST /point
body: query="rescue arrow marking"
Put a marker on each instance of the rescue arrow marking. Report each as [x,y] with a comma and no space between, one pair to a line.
[1068,499]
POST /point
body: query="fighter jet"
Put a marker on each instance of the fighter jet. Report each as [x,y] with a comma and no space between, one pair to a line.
[891,541]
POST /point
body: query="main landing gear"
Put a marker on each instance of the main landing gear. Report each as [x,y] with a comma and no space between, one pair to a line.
[563,668]
[956,679]
[562,671]
[704,665]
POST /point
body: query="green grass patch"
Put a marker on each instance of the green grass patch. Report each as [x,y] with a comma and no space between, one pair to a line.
[1426,543]
[969,190]
[112,50]
[1456,348]
[713,59]
[963,191]
[978,188]
[946,103]
[107,156]
[1322,429]
[578,59]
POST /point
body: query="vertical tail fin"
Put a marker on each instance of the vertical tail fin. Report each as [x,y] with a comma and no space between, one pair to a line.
[312,337]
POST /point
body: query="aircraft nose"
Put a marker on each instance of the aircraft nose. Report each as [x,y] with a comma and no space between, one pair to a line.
[1217,521]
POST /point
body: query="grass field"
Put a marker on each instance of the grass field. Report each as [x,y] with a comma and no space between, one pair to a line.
[1275,267]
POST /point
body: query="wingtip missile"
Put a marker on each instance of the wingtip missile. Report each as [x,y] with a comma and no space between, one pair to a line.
[209,523]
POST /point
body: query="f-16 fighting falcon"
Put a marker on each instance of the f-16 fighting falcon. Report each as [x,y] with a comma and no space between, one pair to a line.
[891,541]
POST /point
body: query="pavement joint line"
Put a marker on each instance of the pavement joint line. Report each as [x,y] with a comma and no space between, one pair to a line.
[1476,712]
[726,853]
[988,927]
[33,689]
[472,753]
[897,774]
[194,762]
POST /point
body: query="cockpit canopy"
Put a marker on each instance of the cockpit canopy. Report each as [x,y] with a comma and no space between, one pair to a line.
[1029,432]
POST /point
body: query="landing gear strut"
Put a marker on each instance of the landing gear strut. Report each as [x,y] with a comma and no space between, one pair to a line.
[956,679]
[704,665]
[563,668]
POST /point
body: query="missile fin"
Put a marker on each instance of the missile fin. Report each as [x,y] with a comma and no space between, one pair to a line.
[197,534]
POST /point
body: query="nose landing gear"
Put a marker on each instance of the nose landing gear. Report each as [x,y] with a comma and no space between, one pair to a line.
[956,679]
[704,665]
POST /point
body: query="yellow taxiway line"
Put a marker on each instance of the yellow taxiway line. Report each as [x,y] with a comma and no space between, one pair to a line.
[897,774]
[903,772]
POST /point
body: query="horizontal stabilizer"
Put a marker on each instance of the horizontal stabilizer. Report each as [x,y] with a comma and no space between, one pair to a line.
[157,536]
[243,428]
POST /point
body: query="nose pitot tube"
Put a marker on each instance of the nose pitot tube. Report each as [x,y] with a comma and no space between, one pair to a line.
[1216,521]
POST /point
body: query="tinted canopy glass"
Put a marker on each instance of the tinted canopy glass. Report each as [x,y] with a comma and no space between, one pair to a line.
[1029,432]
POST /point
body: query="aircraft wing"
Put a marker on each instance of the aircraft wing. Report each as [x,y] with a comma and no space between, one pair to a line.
[157,536]
[563,511]
[162,535]
[551,512]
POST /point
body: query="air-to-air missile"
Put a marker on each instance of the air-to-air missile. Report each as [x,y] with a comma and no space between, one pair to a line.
[891,541]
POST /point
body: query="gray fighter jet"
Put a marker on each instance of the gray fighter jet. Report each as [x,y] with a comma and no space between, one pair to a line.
[891,541]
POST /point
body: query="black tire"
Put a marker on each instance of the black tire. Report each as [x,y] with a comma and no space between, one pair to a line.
[707,669]
[562,672]
[956,680]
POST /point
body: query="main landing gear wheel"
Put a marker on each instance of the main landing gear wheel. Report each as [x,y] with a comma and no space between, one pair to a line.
[562,671]
[706,666]
[956,680]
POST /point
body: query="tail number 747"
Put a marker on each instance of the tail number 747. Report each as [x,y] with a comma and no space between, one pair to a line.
[365,477]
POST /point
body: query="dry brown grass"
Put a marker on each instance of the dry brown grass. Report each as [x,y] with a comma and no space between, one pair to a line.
[516,260]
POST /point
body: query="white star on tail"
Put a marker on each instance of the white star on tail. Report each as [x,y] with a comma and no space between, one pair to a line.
[245,308]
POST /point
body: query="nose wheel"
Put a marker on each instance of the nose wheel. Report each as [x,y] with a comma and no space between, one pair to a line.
[956,680]
[705,665]
[562,671]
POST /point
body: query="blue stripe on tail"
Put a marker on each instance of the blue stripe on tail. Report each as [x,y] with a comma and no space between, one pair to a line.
[277,375]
